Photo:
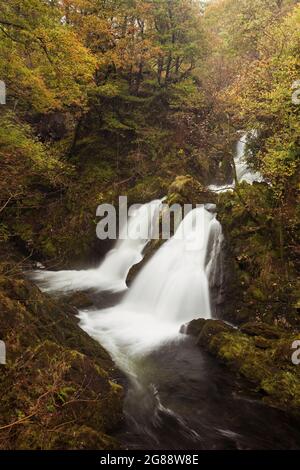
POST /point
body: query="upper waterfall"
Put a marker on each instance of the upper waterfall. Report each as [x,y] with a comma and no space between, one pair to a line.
[243,172]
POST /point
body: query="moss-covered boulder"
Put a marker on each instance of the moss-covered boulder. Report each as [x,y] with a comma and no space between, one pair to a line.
[185,189]
[59,387]
[194,327]
[211,330]
[258,353]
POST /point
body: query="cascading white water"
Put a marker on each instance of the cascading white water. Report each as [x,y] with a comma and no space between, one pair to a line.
[174,283]
[112,273]
[243,172]
[171,289]
[214,265]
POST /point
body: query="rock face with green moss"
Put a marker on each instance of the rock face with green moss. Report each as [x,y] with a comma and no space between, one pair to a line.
[186,189]
[258,352]
[261,258]
[60,388]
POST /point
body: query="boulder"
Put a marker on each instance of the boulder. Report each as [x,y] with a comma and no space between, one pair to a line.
[260,353]
[185,189]
[211,329]
[193,328]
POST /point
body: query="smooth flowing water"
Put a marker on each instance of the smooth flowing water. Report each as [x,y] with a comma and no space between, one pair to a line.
[170,290]
[178,397]
[182,399]
[112,273]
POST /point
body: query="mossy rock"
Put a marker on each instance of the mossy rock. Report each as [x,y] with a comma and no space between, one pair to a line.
[194,327]
[65,438]
[148,189]
[59,384]
[257,294]
[55,386]
[185,189]
[210,330]
[261,329]
[263,357]
[262,343]
[80,300]
[259,288]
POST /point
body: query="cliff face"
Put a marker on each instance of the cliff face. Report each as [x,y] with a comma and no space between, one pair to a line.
[59,387]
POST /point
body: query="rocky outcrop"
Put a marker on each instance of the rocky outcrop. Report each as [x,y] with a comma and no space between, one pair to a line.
[185,189]
[60,388]
[259,352]
[261,270]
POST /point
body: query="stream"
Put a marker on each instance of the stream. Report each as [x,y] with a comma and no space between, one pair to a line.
[178,397]
[184,400]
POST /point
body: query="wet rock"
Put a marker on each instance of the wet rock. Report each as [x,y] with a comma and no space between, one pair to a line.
[261,329]
[263,356]
[193,328]
[80,300]
[211,207]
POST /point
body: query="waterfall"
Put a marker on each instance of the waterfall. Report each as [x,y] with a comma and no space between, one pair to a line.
[174,284]
[243,172]
[112,273]
[171,289]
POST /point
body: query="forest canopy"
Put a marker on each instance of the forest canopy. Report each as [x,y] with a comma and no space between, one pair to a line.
[100,92]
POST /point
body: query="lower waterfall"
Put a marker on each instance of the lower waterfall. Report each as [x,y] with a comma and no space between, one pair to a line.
[171,289]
